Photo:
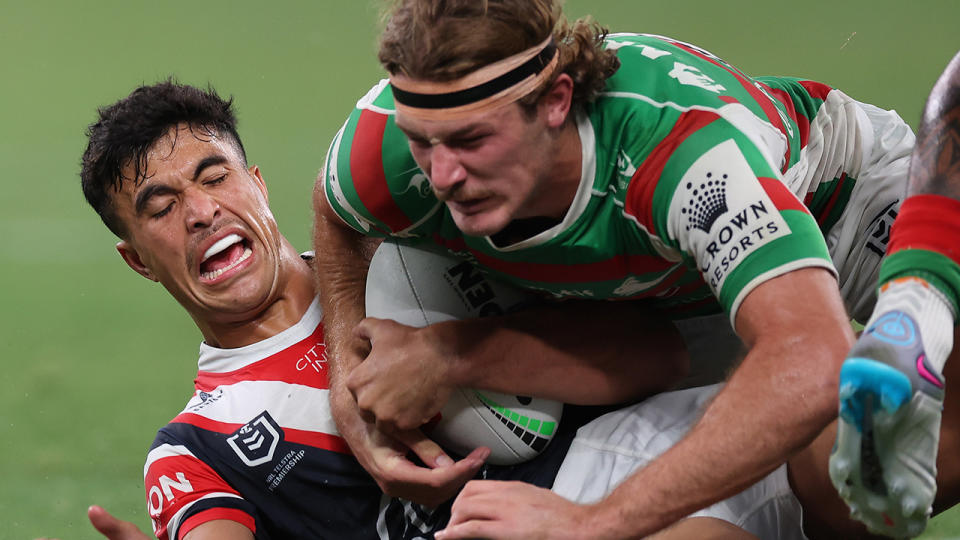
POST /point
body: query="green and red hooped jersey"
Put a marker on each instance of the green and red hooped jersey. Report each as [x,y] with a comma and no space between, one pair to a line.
[698,184]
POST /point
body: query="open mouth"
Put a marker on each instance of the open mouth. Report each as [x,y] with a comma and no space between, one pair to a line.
[223,256]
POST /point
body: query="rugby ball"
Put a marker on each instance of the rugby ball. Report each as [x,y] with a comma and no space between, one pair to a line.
[418,285]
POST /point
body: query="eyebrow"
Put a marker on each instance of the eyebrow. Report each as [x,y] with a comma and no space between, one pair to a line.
[454,135]
[154,190]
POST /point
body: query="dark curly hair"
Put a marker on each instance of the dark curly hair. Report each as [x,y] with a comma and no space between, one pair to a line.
[128,129]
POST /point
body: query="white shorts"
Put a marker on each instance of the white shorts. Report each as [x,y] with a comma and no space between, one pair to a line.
[609,449]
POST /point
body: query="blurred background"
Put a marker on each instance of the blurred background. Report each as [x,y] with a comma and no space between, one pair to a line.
[95,358]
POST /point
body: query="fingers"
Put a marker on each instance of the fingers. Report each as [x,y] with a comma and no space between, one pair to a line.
[476,513]
[373,382]
[363,330]
[475,528]
[440,480]
[432,487]
[444,469]
[111,527]
[102,520]
[368,328]
[431,454]
[402,422]
[508,510]
[476,506]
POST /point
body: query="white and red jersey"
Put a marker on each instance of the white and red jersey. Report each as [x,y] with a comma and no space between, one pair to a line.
[257,444]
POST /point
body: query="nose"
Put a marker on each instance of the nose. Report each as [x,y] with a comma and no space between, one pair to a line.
[446,171]
[201,208]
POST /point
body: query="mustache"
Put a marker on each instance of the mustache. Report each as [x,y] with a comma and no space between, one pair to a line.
[458,193]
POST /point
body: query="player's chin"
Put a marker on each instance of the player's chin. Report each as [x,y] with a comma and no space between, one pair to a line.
[243,300]
[479,223]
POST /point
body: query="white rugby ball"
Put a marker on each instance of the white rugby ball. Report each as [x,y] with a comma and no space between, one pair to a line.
[422,284]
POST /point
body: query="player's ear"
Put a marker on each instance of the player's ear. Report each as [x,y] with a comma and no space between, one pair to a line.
[132,258]
[557,101]
[261,183]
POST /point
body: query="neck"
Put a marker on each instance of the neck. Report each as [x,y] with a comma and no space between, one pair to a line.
[556,194]
[565,171]
[295,282]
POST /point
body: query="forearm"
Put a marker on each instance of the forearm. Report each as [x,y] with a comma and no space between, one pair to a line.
[341,261]
[721,456]
[220,529]
[342,257]
[577,352]
[777,401]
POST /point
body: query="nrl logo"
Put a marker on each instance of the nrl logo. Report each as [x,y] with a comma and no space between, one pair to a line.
[256,441]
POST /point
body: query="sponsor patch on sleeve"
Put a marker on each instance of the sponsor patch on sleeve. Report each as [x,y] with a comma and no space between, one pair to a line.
[721,214]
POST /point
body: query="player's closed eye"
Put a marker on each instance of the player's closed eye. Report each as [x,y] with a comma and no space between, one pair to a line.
[163,212]
[216,181]
[468,142]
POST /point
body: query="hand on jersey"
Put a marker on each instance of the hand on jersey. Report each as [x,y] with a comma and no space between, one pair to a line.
[404,380]
[515,510]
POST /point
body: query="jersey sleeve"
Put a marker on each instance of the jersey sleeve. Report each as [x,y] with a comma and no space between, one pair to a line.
[370,177]
[709,191]
[183,492]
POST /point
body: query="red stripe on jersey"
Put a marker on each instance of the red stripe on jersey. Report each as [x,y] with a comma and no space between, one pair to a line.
[614,268]
[803,125]
[837,190]
[302,363]
[765,104]
[198,478]
[173,482]
[229,514]
[366,168]
[639,199]
[782,197]
[325,441]
[316,439]
[815,89]
[203,422]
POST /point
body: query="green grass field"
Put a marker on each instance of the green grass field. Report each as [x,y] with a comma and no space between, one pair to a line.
[95,358]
